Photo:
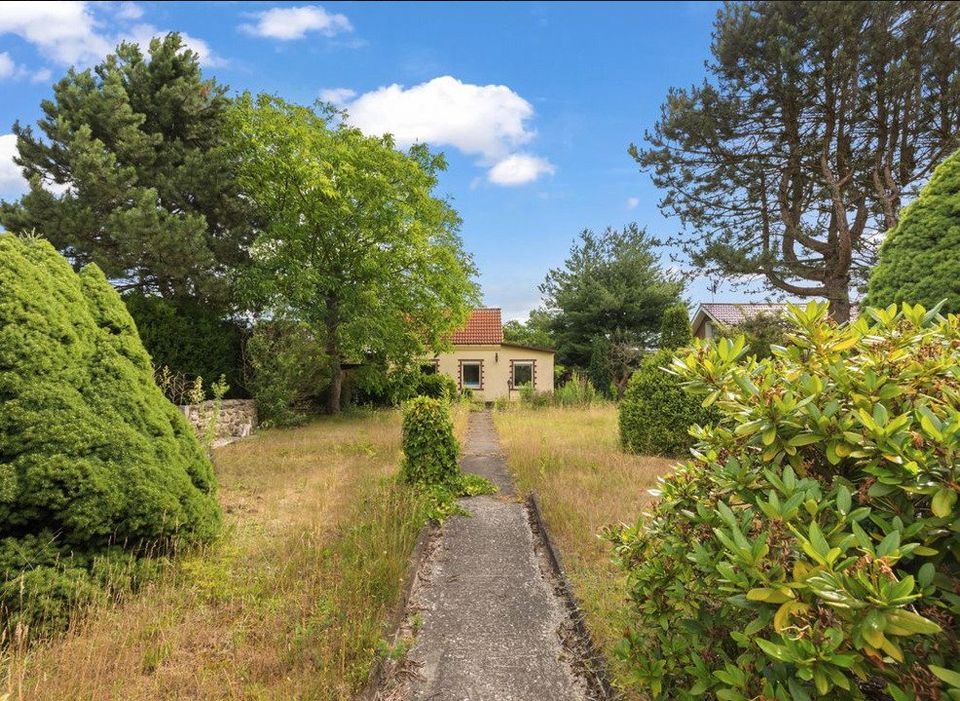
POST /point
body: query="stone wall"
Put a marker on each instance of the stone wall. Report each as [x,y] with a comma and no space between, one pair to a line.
[238,418]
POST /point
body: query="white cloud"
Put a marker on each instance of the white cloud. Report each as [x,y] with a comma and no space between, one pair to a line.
[10,69]
[632,202]
[519,169]
[41,75]
[337,96]
[11,179]
[289,23]
[64,31]
[7,67]
[69,33]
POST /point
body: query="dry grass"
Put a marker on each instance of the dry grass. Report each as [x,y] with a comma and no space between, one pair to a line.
[290,603]
[571,458]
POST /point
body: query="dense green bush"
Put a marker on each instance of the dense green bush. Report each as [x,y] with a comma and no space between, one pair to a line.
[437,386]
[761,332]
[656,413]
[285,368]
[91,453]
[190,340]
[430,450]
[675,329]
[919,260]
[811,546]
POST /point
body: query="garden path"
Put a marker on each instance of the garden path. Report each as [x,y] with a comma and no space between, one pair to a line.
[492,622]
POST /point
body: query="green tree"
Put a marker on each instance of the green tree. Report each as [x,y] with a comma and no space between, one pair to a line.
[920,258]
[535,331]
[139,142]
[675,329]
[610,286]
[820,119]
[353,241]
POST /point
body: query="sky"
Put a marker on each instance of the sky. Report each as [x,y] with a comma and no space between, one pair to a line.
[533,104]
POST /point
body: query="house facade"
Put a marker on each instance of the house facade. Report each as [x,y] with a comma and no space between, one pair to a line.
[491,368]
[711,317]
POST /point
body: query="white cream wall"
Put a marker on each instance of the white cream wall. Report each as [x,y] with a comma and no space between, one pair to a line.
[496,368]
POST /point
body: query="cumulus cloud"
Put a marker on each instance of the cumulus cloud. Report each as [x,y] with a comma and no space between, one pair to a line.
[11,70]
[11,179]
[519,169]
[632,202]
[7,67]
[337,96]
[69,33]
[290,23]
[491,122]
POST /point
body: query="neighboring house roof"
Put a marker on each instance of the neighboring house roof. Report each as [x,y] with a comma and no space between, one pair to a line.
[482,328]
[732,314]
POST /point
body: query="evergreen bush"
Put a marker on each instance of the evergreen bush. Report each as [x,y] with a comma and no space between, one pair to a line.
[655,414]
[437,386]
[190,340]
[919,260]
[430,450]
[675,329]
[811,547]
[91,453]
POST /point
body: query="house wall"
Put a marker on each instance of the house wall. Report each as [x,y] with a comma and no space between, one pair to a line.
[496,368]
[704,329]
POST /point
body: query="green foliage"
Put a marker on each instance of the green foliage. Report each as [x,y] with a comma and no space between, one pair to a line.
[153,201]
[535,331]
[437,386]
[354,243]
[430,450]
[189,339]
[600,368]
[811,547]
[761,333]
[92,453]
[656,413]
[611,286]
[286,367]
[919,261]
[675,329]
[798,149]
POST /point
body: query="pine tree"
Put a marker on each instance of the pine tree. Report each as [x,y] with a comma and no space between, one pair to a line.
[675,327]
[138,149]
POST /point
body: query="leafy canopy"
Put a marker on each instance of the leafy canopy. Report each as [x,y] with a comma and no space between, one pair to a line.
[819,120]
[136,147]
[920,258]
[353,241]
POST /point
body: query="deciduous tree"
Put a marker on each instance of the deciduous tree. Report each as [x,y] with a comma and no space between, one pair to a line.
[819,121]
[353,240]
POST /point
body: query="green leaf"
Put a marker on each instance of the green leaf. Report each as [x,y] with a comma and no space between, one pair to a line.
[947,675]
[942,503]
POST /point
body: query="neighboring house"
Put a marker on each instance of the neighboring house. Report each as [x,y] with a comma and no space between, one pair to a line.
[490,367]
[711,318]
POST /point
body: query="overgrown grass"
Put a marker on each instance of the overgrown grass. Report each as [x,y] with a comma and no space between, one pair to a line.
[571,458]
[288,605]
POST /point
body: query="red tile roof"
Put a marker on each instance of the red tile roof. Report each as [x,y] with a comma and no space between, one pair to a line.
[482,328]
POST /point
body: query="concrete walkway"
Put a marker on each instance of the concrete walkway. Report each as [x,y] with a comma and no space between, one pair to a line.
[491,620]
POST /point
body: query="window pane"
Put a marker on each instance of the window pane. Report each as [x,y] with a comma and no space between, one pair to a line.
[522,374]
[471,375]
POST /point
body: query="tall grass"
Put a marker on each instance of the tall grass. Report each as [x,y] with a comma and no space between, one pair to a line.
[289,604]
[571,458]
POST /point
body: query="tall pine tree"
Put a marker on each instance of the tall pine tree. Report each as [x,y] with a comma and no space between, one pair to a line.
[130,170]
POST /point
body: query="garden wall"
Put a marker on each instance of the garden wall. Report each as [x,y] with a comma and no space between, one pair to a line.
[238,417]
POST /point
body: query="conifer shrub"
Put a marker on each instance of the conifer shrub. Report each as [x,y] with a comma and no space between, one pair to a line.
[675,331]
[437,386]
[93,458]
[919,260]
[811,547]
[655,414]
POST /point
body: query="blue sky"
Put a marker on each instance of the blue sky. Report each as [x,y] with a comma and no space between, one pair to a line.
[534,104]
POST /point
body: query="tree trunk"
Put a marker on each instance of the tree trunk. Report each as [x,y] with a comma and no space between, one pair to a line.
[332,323]
[838,295]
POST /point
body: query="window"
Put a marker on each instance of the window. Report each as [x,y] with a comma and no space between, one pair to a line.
[471,376]
[522,373]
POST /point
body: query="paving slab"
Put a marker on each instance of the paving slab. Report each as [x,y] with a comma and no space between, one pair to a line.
[491,621]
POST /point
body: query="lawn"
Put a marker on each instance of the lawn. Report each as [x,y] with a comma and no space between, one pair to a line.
[571,458]
[288,605]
